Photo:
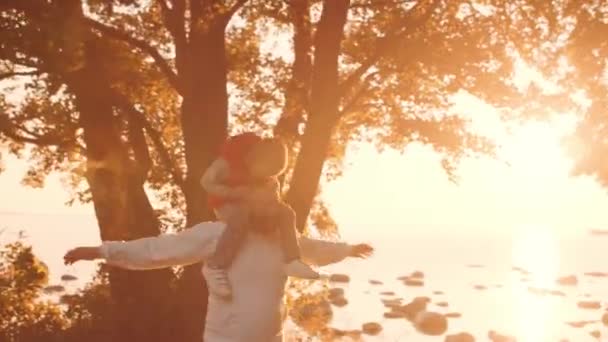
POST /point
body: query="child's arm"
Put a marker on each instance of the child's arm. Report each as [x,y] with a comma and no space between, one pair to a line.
[186,247]
[214,178]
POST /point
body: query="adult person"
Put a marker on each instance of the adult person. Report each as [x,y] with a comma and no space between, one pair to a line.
[255,312]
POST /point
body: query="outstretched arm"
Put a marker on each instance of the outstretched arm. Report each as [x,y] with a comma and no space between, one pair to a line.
[321,253]
[187,247]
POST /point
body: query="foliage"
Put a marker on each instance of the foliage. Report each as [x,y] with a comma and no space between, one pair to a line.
[28,315]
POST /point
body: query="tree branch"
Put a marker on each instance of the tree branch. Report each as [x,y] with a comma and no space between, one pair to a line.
[8,129]
[154,135]
[378,3]
[387,45]
[141,45]
[348,107]
[5,75]
[237,5]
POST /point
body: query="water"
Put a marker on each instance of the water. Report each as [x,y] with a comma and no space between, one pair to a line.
[445,257]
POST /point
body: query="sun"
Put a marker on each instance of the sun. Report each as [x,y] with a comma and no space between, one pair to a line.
[534,149]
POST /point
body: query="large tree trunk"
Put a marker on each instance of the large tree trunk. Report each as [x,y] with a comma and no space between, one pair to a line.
[204,123]
[323,115]
[121,205]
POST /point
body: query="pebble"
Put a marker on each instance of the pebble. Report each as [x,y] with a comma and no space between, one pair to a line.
[430,323]
[413,282]
[417,274]
[339,278]
[387,293]
[461,337]
[375,282]
[605,319]
[371,328]
[339,301]
[597,274]
[480,287]
[68,277]
[53,289]
[591,305]
[453,315]
[442,304]
[544,292]
[439,293]
[570,280]
[496,337]
[596,333]
[394,314]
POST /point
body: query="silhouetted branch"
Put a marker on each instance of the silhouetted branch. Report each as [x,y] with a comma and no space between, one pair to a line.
[141,45]
[5,75]
[388,44]
[378,3]
[22,135]
[154,135]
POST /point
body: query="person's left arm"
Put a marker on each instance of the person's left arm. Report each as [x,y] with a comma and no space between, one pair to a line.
[186,247]
[321,252]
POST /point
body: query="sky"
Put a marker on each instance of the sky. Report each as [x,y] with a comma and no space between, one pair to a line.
[529,184]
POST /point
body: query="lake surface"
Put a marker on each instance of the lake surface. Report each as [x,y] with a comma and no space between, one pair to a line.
[475,271]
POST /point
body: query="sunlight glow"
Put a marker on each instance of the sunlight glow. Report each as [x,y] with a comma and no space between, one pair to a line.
[535,249]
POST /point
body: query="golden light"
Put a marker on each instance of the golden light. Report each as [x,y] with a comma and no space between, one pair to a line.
[534,149]
[535,249]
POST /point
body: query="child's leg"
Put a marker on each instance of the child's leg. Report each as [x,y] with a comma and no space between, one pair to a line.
[236,217]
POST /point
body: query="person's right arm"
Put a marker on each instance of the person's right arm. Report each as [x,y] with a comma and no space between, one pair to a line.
[213,181]
[184,248]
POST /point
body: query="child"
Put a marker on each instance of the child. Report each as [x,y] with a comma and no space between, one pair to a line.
[243,190]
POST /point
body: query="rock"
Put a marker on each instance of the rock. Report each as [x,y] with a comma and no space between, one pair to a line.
[375,282]
[422,299]
[68,277]
[570,280]
[496,337]
[53,289]
[587,304]
[387,293]
[461,337]
[394,314]
[339,301]
[371,328]
[438,293]
[417,275]
[480,287]
[453,315]
[544,292]
[597,274]
[596,333]
[605,319]
[392,303]
[414,307]
[336,291]
[413,282]
[339,278]
[442,304]
[430,323]
[334,333]
[579,324]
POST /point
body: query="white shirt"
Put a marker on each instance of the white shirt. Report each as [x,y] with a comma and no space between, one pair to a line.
[256,275]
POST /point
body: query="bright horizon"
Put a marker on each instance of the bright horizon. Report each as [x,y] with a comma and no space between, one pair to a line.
[388,190]
[410,190]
